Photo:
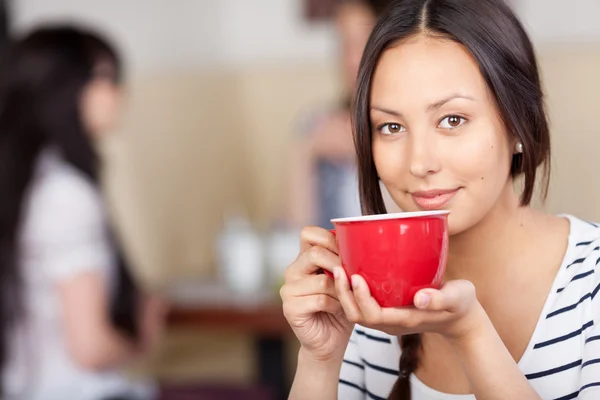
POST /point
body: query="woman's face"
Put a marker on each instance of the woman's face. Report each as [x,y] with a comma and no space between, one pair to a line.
[354,24]
[100,104]
[438,141]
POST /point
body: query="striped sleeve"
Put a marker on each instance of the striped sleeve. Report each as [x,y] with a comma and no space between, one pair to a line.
[590,367]
[351,384]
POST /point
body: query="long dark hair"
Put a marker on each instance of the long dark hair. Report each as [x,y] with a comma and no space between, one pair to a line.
[42,77]
[498,42]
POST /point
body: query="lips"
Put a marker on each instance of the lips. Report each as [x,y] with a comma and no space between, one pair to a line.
[433,199]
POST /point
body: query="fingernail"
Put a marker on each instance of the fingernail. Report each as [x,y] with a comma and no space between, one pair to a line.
[336,272]
[355,282]
[422,300]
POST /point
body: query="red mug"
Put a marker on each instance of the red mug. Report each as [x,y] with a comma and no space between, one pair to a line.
[397,254]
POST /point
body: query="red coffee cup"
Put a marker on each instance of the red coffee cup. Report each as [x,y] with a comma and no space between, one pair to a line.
[397,254]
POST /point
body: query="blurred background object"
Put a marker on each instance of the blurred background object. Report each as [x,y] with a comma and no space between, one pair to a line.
[217,89]
[319,10]
[322,182]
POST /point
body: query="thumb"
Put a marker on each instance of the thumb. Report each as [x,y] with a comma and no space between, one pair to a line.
[453,296]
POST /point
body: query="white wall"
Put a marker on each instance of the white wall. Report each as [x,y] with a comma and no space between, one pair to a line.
[560,21]
[272,30]
[161,34]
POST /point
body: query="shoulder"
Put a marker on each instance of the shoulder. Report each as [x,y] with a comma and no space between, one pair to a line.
[63,231]
[578,282]
[568,329]
[60,196]
[583,231]
[583,251]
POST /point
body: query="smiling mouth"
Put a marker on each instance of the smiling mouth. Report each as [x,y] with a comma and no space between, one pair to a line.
[433,199]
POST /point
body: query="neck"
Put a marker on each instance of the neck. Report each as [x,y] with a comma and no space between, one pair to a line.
[485,253]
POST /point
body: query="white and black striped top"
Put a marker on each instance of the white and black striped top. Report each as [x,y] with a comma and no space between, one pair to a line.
[562,360]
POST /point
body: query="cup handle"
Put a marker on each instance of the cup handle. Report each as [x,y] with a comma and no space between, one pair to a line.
[328,273]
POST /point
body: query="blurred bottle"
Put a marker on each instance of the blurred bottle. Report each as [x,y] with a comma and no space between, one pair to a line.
[240,254]
[282,247]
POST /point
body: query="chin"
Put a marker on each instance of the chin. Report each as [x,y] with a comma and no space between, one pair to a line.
[455,225]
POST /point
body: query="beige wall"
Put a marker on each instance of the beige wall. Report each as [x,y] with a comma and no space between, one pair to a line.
[195,144]
[572,79]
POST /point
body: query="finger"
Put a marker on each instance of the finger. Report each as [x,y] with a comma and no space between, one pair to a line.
[345,296]
[315,236]
[315,284]
[452,297]
[299,308]
[430,299]
[312,261]
[368,306]
[411,320]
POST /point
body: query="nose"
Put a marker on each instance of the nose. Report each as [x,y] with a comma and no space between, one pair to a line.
[423,155]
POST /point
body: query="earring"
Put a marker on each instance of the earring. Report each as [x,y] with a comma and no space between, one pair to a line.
[519,148]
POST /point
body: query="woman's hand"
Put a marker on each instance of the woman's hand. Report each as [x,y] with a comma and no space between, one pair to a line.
[153,313]
[453,311]
[310,303]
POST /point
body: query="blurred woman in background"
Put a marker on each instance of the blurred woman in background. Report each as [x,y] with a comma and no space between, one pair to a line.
[323,181]
[70,314]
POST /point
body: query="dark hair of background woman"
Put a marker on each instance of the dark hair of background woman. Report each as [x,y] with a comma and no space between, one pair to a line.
[499,44]
[42,77]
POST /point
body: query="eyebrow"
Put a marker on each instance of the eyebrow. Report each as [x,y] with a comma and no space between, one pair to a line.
[430,108]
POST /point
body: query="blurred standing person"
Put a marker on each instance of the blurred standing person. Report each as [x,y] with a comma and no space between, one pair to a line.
[323,182]
[70,314]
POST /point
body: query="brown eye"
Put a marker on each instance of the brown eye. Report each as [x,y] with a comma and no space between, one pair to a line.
[454,121]
[391,128]
[451,122]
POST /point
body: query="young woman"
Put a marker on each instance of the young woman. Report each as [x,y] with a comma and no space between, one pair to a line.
[449,113]
[60,269]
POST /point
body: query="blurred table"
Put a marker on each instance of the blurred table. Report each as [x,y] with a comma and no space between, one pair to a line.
[211,305]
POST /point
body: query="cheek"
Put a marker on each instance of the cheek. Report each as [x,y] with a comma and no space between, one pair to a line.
[481,156]
[481,164]
[109,108]
[485,158]
[390,161]
[100,104]
[103,110]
